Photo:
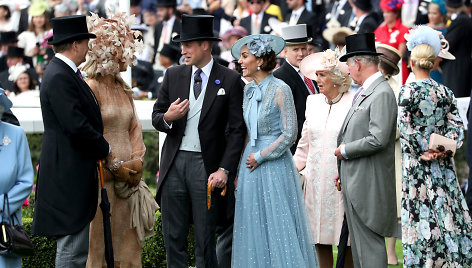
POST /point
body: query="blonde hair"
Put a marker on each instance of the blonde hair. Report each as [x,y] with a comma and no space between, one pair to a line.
[91,69]
[340,80]
[423,56]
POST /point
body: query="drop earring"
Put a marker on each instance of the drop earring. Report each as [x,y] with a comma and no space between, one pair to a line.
[258,68]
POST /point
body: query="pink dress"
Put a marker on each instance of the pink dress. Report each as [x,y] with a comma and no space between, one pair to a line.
[315,151]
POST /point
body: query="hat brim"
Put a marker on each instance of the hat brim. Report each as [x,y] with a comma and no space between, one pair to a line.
[178,38]
[5,102]
[301,41]
[278,44]
[72,37]
[330,32]
[358,53]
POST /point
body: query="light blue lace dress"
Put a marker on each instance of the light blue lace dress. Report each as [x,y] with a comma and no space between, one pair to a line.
[270,224]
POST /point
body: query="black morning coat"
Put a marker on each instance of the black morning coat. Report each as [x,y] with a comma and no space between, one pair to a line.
[221,129]
[67,187]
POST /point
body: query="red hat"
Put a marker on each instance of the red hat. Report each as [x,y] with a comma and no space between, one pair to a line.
[391,5]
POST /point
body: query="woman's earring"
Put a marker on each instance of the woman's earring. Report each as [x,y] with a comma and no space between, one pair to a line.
[334,85]
[258,68]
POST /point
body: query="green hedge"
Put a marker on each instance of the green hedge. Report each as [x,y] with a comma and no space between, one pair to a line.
[154,254]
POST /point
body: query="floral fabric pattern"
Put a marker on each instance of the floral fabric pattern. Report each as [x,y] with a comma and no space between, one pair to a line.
[436,224]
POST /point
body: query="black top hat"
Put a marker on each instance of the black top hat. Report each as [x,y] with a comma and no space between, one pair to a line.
[166,3]
[8,37]
[454,3]
[360,44]
[196,28]
[364,5]
[171,51]
[15,52]
[69,28]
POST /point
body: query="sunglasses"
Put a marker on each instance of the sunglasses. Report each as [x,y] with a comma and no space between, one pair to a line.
[256,2]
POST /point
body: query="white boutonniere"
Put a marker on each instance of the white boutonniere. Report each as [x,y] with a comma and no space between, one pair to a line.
[221,92]
[267,28]
[359,108]
[6,141]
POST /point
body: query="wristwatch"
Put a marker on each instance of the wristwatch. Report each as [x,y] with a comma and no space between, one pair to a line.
[224,170]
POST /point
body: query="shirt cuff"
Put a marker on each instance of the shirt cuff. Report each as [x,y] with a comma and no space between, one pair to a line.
[258,157]
[343,151]
[166,124]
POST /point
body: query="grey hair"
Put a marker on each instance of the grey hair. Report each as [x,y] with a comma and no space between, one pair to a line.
[366,59]
[341,80]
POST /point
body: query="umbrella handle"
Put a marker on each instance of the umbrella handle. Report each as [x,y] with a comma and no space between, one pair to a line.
[100,171]
[223,193]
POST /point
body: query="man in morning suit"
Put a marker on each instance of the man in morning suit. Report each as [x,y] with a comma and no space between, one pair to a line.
[300,15]
[258,21]
[295,51]
[167,27]
[366,164]
[365,21]
[67,192]
[199,106]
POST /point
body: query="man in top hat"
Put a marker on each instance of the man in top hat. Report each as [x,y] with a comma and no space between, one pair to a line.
[295,51]
[258,21]
[16,55]
[300,15]
[168,27]
[67,187]
[199,106]
[366,164]
[7,39]
[365,21]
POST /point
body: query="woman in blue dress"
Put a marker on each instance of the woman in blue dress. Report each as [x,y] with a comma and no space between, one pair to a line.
[270,225]
[16,172]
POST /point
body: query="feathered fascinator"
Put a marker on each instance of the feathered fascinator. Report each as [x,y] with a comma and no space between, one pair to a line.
[423,35]
[391,5]
[16,70]
[115,43]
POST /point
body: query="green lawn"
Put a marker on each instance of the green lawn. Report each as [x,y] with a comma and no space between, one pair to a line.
[398,249]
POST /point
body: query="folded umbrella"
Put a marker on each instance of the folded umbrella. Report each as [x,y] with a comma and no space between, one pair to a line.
[105,206]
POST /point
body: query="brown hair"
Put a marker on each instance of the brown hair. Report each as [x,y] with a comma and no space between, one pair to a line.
[46,26]
[339,39]
[269,61]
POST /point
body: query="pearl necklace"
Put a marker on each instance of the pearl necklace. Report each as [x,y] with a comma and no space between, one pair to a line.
[335,100]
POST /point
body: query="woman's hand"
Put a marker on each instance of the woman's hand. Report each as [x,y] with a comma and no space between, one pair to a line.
[251,162]
[431,155]
[137,166]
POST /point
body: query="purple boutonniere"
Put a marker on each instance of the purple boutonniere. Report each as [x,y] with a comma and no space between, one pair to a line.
[217,81]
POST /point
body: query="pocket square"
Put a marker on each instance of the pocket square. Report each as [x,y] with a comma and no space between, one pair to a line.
[221,92]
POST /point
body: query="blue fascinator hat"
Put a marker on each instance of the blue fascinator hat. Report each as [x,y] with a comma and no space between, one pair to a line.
[442,6]
[258,45]
[4,101]
[424,35]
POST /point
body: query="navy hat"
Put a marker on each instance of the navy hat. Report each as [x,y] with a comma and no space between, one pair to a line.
[454,3]
[69,28]
[16,52]
[172,52]
[364,5]
[166,3]
[196,28]
[4,101]
[8,37]
[360,44]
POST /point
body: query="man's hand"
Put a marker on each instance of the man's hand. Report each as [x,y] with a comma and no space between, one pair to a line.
[176,110]
[338,154]
[219,179]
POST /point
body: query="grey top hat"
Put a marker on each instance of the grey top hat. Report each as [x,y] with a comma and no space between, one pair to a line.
[295,34]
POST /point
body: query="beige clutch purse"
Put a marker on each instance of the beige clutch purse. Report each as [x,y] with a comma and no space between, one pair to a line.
[441,144]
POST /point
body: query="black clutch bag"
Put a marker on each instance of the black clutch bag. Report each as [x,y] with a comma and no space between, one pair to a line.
[13,238]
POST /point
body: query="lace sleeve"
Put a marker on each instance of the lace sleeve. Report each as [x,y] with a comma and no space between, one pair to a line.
[283,100]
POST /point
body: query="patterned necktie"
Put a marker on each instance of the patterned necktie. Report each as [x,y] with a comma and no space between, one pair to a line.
[357,94]
[197,83]
[79,74]
[309,84]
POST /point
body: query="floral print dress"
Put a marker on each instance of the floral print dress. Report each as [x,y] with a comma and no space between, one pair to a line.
[436,224]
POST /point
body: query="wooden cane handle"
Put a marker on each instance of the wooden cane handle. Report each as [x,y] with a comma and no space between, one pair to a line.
[223,193]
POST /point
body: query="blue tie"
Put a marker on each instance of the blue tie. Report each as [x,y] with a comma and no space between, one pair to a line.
[197,83]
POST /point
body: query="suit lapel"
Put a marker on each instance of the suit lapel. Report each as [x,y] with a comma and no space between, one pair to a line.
[298,80]
[211,89]
[361,99]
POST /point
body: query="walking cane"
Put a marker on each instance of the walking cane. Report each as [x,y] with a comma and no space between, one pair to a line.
[223,193]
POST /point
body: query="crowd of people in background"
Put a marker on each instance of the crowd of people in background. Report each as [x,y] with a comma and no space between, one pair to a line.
[320,128]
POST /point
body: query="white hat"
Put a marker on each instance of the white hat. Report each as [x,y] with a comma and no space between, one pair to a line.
[295,34]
